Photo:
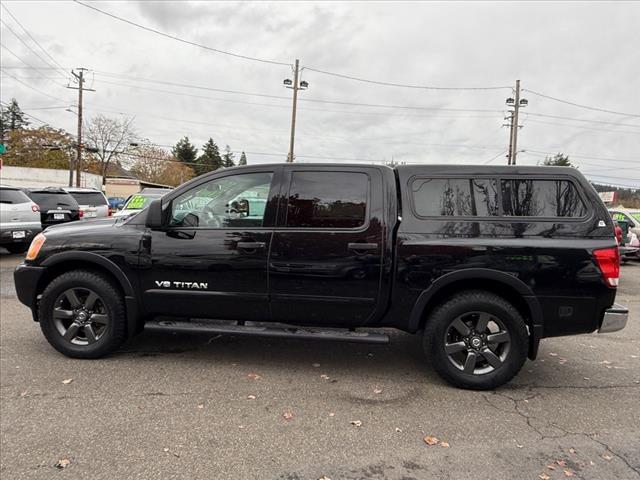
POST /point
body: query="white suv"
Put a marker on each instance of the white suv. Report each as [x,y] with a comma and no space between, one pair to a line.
[92,202]
[19,219]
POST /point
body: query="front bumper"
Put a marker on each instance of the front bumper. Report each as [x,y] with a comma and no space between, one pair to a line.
[26,279]
[615,318]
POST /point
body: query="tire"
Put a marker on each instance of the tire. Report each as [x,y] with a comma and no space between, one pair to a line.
[89,322]
[17,247]
[469,356]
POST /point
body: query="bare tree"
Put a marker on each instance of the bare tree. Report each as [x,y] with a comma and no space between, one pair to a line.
[109,139]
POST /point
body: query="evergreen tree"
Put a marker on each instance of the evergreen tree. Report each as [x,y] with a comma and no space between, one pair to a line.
[558,160]
[227,158]
[243,159]
[185,151]
[210,159]
[12,117]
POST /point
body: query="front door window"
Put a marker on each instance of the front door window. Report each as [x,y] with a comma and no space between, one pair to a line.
[228,202]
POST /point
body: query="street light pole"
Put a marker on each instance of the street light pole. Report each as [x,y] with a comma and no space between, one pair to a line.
[293,110]
[295,85]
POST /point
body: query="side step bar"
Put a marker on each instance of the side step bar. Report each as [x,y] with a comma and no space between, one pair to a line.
[258,329]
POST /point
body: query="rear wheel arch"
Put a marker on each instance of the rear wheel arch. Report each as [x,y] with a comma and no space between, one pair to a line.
[510,288]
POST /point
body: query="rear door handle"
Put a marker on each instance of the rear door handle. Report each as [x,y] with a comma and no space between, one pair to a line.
[251,245]
[362,246]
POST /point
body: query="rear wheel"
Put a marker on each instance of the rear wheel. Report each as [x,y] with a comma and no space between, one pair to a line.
[17,247]
[82,315]
[476,340]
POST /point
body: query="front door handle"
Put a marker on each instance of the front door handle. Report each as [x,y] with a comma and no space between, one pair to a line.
[251,245]
[359,247]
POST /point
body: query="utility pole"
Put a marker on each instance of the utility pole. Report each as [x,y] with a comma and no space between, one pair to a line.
[295,86]
[516,103]
[80,78]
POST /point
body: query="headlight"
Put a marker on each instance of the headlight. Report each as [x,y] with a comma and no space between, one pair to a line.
[36,245]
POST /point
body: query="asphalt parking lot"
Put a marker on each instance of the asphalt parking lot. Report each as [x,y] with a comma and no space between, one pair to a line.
[183,406]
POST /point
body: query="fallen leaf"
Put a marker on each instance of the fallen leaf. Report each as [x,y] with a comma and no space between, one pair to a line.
[24,394]
[324,477]
[551,467]
[377,391]
[356,423]
[572,450]
[398,430]
[562,463]
[200,405]
[254,376]
[67,381]
[429,440]
[331,414]
[165,449]
[568,473]
[445,444]
[324,376]
[251,397]
[287,415]
[562,361]
[553,354]
[519,446]
[62,463]
[606,456]
[315,365]
[544,476]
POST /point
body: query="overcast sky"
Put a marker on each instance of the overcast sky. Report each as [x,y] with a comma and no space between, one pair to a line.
[587,53]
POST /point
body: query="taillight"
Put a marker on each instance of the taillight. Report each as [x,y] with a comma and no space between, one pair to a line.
[35,208]
[609,263]
[80,213]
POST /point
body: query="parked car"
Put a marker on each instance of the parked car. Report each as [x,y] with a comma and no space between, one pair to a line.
[92,202]
[116,203]
[482,262]
[56,205]
[139,201]
[19,219]
[629,215]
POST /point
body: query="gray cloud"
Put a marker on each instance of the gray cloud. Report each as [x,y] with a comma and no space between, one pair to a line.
[583,52]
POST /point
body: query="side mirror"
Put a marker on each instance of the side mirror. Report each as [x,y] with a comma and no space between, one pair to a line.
[154,215]
[120,206]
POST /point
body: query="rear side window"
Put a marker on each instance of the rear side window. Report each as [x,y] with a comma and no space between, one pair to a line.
[455,197]
[53,200]
[541,198]
[327,200]
[12,197]
[89,198]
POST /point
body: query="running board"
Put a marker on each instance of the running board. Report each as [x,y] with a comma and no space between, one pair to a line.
[259,330]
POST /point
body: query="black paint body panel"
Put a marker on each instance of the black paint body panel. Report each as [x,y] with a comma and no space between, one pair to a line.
[316,277]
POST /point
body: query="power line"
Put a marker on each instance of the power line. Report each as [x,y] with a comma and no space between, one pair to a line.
[583,120]
[178,39]
[403,85]
[311,100]
[33,88]
[593,129]
[34,40]
[596,109]
[24,43]
[29,115]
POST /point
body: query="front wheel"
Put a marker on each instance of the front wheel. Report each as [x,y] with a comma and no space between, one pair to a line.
[476,340]
[82,315]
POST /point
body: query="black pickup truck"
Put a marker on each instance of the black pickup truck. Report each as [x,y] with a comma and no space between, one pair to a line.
[483,262]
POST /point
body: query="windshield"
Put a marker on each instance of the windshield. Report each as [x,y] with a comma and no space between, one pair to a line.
[139,201]
[89,198]
[12,197]
[52,200]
